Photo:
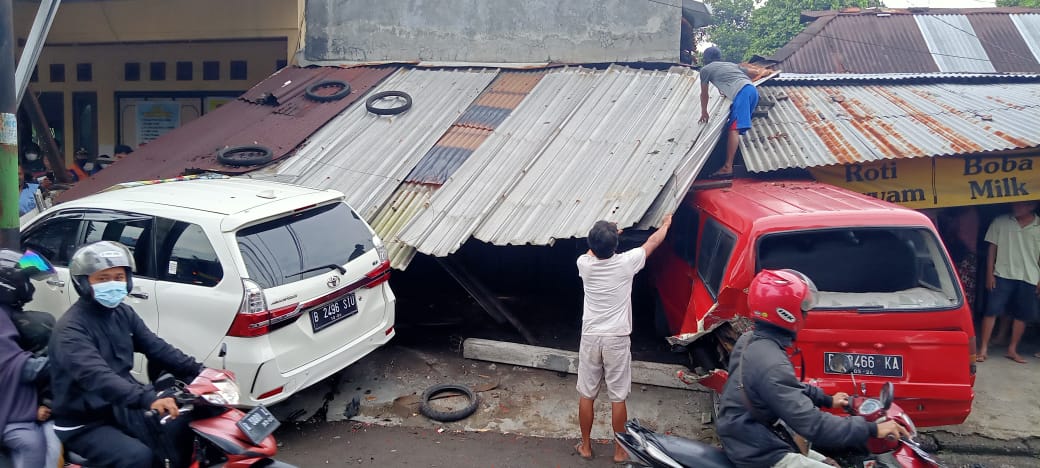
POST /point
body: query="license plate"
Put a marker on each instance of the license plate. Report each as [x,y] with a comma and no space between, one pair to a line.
[333,311]
[257,424]
[883,365]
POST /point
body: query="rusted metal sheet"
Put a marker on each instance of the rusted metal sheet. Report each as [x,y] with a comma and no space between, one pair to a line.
[1005,43]
[280,124]
[864,44]
[902,41]
[813,124]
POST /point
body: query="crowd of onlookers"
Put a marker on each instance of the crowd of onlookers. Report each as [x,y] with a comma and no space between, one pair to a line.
[38,176]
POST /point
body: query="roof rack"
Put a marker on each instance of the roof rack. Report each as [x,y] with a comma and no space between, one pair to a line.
[140,183]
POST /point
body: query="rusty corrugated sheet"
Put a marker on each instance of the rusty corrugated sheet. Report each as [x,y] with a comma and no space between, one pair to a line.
[280,127]
[864,44]
[818,125]
[901,41]
[1004,42]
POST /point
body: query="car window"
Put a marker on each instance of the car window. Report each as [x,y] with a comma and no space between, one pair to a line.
[131,232]
[301,246]
[185,254]
[54,239]
[684,233]
[713,255]
[893,268]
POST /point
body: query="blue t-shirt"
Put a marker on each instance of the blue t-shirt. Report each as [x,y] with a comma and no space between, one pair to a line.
[27,199]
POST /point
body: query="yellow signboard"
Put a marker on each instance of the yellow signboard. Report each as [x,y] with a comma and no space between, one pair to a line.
[940,182]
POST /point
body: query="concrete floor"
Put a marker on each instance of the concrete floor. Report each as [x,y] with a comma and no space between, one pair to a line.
[1006,402]
[516,400]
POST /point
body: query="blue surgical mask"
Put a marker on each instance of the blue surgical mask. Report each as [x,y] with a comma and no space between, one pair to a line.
[109,293]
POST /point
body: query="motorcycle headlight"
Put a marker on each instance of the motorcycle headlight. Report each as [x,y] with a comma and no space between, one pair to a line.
[226,394]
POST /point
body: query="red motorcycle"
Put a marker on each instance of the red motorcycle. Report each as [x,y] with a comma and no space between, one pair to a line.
[223,435]
[650,449]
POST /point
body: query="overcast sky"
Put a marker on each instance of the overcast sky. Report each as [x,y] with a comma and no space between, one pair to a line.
[939,3]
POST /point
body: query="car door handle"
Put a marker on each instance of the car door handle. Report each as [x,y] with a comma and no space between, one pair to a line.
[56,283]
[139,295]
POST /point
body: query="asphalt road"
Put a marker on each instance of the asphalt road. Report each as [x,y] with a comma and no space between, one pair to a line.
[356,444]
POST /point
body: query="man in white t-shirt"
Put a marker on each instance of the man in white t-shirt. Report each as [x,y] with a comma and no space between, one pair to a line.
[605,352]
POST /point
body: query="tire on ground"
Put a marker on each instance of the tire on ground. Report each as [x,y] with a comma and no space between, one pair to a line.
[448,416]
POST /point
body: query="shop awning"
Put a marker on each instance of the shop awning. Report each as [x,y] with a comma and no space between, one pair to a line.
[922,140]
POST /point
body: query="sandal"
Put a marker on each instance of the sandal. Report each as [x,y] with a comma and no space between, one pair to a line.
[1017,359]
[981,358]
[721,175]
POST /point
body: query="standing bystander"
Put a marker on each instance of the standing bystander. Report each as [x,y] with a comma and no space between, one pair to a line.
[605,352]
[1012,274]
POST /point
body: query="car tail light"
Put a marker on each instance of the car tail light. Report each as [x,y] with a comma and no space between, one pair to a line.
[255,319]
[382,272]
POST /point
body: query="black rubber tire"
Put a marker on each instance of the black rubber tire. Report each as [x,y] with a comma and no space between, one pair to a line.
[311,91]
[392,110]
[448,416]
[233,156]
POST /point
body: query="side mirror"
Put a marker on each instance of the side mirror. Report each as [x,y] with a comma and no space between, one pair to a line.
[887,395]
[165,381]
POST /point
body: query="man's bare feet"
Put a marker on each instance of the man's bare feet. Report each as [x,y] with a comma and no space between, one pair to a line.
[620,455]
[1015,357]
[584,452]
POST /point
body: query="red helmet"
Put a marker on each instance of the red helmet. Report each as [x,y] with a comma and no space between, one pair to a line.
[781,298]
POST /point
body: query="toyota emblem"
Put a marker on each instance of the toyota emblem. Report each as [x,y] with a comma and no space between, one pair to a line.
[333,282]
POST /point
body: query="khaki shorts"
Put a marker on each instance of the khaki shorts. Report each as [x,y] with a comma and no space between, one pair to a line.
[606,358]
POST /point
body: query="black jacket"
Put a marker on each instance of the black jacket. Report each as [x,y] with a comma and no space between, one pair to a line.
[774,391]
[92,352]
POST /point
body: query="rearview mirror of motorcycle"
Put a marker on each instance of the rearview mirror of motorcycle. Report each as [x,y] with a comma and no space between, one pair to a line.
[165,381]
[887,395]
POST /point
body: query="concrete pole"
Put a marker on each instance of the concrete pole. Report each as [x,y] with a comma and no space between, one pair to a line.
[10,180]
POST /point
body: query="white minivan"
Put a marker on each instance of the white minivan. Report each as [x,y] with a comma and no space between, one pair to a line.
[282,284]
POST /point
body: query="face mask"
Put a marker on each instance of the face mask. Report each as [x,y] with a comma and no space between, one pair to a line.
[31,156]
[109,293]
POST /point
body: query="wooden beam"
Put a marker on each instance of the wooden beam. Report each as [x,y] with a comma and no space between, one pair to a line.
[484,297]
[55,156]
[559,360]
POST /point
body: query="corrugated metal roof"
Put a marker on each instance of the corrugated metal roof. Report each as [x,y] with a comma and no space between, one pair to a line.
[1029,28]
[584,145]
[458,143]
[814,125]
[954,46]
[367,156]
[982,78]
[240,122]
[902,41]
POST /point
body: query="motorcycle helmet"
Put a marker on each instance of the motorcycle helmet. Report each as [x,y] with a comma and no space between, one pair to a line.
[781,298]
[16,269]
[92,258]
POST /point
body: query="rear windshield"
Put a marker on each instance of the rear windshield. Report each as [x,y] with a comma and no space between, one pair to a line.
[867,269]
[303,245]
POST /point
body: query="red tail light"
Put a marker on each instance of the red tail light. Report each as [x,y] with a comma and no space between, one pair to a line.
[255,319]
[378,276]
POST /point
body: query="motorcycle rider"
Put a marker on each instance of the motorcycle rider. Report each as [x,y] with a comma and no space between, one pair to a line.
[24,432]
[98,406]
[762,391]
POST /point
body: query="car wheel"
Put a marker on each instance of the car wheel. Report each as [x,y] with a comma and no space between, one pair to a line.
[312,91]
[389,102]
[448,416]
[245,155]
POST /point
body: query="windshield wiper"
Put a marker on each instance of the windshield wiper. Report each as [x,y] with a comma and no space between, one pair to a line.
[330,266]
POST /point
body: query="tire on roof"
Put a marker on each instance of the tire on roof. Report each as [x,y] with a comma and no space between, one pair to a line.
[312,90]
[404,106]
[248,155]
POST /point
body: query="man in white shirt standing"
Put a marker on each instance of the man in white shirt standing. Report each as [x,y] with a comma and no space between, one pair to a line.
[1012,274]
[605,352]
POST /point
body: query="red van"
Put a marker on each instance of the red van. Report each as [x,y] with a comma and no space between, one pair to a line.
[890,302]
